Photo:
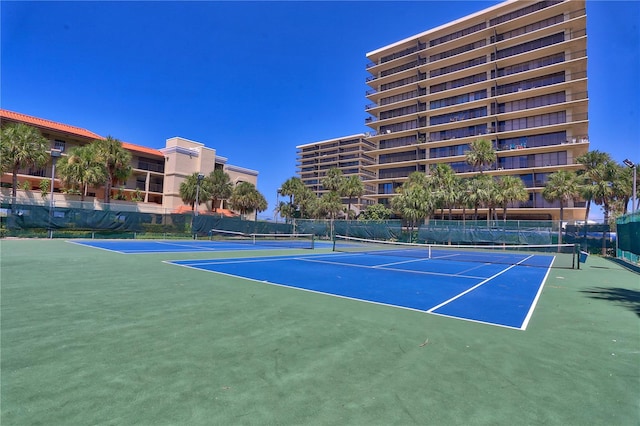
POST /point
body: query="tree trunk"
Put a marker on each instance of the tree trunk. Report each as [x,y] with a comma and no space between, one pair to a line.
[14,184]
[107,190]
[586,219]
[560,224]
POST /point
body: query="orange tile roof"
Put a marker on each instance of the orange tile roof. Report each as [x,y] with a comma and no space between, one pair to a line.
[187,209]
[142,149]
[41,122]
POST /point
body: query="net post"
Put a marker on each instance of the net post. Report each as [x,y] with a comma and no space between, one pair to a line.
[313,241]
[333,238]
[576,256]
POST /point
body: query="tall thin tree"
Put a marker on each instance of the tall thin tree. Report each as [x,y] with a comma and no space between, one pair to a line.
[116,161]
[562,186]
[351,188]
[480,154]
[21,146]
[220,187]
[80,170]
[510,189]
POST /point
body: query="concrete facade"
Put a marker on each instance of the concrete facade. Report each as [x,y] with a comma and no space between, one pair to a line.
[156,174]
[514,74]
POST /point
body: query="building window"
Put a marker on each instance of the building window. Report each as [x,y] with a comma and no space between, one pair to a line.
[58,144]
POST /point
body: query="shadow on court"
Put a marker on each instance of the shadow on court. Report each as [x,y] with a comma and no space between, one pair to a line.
[630,299]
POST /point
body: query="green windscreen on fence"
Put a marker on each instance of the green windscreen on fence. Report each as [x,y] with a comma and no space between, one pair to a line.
[24,220]
[628,234]
[126,222]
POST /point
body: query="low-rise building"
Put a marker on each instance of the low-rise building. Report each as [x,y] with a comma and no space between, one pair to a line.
[156,173]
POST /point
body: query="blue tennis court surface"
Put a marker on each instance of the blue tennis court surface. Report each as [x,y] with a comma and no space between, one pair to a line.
[179,246]
[497,294]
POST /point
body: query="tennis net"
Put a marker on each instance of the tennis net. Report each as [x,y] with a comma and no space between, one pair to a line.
[555,255]
[302,241]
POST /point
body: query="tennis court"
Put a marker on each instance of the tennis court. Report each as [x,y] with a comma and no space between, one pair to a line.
[492,293]
[230,241]
[98,337]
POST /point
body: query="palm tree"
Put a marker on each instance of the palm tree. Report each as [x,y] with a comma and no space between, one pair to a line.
[246,198]
[464,197]
[333,180]
[189,189]
[305,199]
[593,162]
[329,204]
[292,187]
[414,201]
[624,188]
[417,178]
[563,186]
[79,169]
[446,185]
[604,191]
[284,210]
[116,161]
[351,188]
[259,203]
[479,192]
[21,146]
[219,187]
[510,189]
[480,154]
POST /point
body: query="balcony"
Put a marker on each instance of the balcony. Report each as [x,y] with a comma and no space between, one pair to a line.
[541,122]
[152,167]
[397,55]
[155,187]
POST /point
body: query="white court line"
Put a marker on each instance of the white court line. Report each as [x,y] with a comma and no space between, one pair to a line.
[476,286]
[94,247]
[231,262]
[184,244]
[242,259]
[193,246]
[448,255]
[389,269]
[338,295]
[525,323]
[137,251]
[301,288]
[482,265]
[400,263]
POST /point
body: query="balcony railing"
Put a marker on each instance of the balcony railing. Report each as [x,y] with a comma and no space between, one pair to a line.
[568,119]
[403,53]
[155,187]
[537,26]
[152,167]
[551,80]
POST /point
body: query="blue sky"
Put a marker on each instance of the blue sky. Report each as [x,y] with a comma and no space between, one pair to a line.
[255,79]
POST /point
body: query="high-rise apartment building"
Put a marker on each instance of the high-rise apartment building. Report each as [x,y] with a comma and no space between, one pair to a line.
[349,154]
[514,74]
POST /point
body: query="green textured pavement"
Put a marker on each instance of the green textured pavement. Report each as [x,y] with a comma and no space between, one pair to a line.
[90,337]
